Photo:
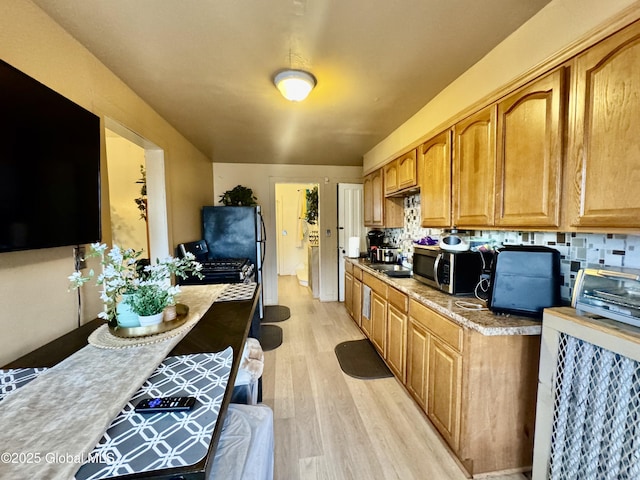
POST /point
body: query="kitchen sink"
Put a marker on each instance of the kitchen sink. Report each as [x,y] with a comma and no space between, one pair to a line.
[391,270]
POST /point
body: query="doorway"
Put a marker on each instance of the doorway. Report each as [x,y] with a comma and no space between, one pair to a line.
[297,238]
[138,221]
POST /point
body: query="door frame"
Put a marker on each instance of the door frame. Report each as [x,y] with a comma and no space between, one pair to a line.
[159,246]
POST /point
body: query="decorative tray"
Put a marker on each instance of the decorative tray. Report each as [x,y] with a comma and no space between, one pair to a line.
[131,332]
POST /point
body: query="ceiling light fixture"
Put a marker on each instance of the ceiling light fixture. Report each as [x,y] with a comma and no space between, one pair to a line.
[294,85]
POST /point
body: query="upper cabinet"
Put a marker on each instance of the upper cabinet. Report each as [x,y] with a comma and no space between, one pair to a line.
[400,175]
[434,178]
[529,154]
[474,169]
[604,142]
[378,210]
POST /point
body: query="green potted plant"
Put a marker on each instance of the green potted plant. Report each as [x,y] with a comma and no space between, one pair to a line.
[149,302]
[239,196]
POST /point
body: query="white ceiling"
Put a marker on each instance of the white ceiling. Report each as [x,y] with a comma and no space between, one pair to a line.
[207,65]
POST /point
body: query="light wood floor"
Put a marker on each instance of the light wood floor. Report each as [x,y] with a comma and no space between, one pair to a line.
[329,425]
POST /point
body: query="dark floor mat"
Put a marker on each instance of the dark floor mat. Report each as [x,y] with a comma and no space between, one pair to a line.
[275,313]
[359,359]
[270,337]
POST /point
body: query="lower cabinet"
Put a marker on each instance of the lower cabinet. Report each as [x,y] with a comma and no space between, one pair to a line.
[443,401]
[376,329]
[417,361]
[479,391]
[397,308]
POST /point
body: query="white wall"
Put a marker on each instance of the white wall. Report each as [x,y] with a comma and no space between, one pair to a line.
[555,27]
[262,180]
[36,306]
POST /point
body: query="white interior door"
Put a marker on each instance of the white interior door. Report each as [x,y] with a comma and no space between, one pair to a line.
[350,224]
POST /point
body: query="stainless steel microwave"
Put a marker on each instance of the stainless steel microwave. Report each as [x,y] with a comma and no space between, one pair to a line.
[456,273]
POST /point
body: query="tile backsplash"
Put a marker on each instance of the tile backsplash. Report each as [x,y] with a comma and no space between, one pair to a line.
[577,250]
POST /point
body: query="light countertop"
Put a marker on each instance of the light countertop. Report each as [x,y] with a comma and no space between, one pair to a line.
[482,321]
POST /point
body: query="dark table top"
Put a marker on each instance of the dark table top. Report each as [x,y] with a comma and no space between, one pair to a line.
[224,324]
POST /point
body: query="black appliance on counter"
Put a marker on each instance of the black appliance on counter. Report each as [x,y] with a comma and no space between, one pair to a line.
[375,238]
[525,280]
[223,270]
[456,273]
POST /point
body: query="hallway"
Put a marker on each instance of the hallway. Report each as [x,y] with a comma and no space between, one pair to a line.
[331,426]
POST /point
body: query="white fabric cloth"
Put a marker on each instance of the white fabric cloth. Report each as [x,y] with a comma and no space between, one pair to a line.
[251,368]
[245,449]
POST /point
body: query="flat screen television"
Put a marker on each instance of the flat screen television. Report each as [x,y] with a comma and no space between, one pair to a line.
[49,167]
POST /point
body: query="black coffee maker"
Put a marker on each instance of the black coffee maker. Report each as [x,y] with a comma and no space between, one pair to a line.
[375,240]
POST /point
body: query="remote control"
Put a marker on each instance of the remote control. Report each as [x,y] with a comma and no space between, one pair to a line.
[165,404]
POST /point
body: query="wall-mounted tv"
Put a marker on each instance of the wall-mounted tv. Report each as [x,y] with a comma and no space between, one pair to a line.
[49,167]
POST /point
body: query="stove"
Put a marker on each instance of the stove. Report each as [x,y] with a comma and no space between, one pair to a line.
[224,270]
[217,270]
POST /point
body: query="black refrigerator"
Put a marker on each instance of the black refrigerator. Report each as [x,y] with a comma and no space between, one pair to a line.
[236,232]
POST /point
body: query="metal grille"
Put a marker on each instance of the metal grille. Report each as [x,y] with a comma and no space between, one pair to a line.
[596,420]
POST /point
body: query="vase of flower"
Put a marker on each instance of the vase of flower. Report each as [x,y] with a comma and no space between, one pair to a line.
[124,313]
[129,283]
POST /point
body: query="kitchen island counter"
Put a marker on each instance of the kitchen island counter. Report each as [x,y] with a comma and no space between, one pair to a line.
[482,321]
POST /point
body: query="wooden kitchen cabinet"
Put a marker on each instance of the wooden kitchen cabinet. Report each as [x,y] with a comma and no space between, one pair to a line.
[400,174]
[443,371]
[380,211]
[373,199]
[479,391]
[474,169]
[434,177]
[377,332]
[529,154]
[418,339]
[357,301]
[397,314]
[443,401]
[604,161]
[348,291]
[390,177]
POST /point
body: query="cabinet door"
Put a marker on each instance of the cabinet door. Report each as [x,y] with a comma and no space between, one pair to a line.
[406,168]
[604,171]
[373,199]
[379,322]
[348,293]
[530,149]
[357,301]
[417,361]
[434,176]
[474,169]
[391,177]
[396,341]
[445,376]
[365,316]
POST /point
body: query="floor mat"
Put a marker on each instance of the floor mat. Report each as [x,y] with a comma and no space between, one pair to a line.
[270,337]
[275,313]
[359,359]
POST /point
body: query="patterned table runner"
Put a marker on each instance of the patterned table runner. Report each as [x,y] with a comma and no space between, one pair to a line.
[137,442]
[57,419]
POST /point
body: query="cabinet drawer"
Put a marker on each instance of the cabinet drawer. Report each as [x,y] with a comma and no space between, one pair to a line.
[357,273]
[376,285]
[348,267]
[444,329]
[398,299]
